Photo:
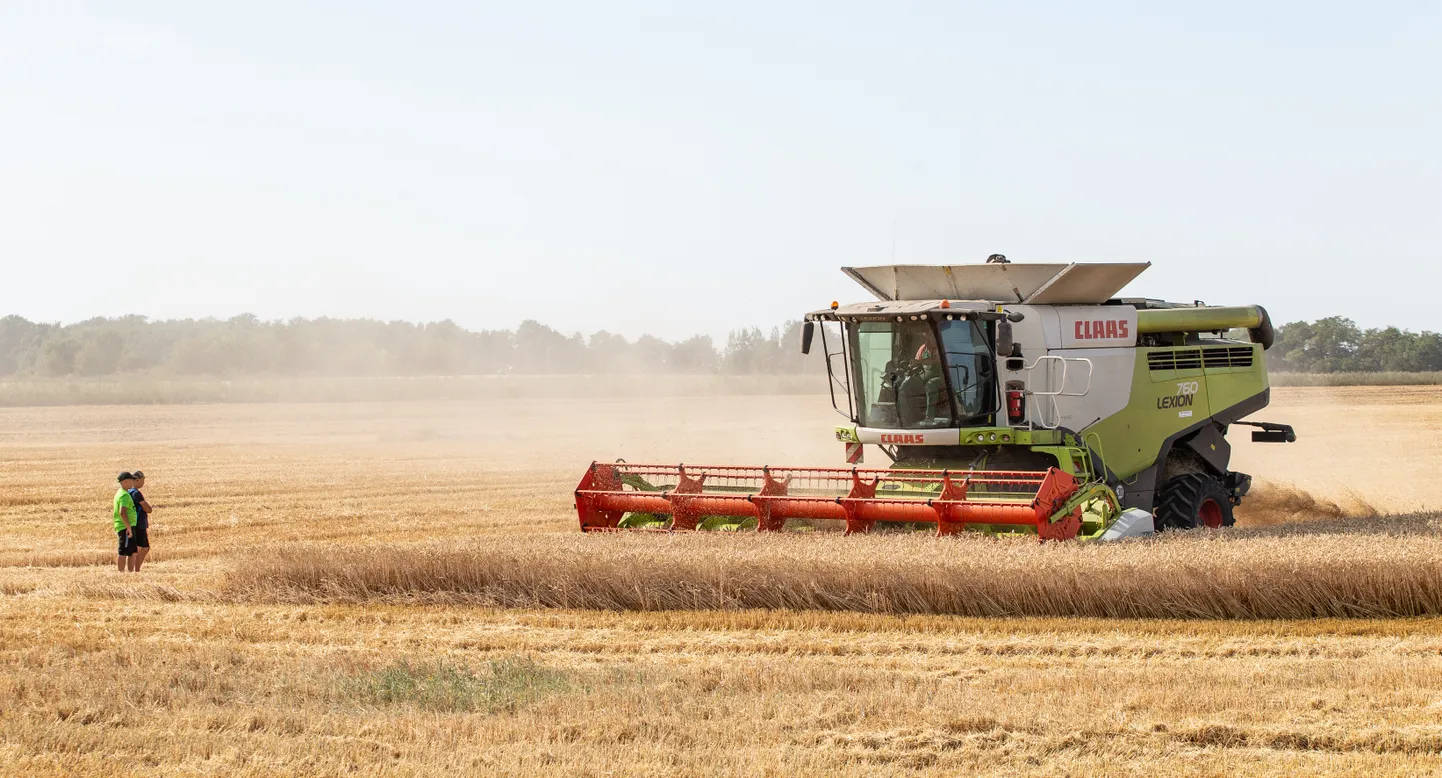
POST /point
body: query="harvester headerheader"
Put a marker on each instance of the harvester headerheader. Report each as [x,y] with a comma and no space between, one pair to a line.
[1009,398]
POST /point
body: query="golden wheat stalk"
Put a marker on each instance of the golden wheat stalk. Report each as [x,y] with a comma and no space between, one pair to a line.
[1277,573]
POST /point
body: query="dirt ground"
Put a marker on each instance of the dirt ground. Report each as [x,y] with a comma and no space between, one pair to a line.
[1380,443]
[163,673]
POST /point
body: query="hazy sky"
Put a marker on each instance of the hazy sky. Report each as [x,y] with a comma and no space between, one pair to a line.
[682,167]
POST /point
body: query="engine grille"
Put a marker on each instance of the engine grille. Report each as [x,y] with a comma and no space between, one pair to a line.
[1175,359]
[1194,358]
[1231,356]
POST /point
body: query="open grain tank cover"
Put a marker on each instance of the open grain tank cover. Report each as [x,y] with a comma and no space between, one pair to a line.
[1043,284]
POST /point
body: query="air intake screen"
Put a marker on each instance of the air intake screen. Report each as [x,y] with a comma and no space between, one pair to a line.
[1194,358]
[1234,356]
[1176,359]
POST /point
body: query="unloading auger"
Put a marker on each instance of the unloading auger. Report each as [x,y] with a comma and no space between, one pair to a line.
[1009,398]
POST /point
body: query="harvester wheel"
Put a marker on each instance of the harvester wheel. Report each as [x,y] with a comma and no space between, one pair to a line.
[1194,500]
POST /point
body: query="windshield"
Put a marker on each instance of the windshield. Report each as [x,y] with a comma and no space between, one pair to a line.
[969,361]
[900,382]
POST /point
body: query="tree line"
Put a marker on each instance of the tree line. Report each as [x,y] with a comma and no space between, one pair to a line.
[245,345]
[1338,345]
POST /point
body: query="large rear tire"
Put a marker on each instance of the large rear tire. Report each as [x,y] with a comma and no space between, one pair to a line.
[1194,500]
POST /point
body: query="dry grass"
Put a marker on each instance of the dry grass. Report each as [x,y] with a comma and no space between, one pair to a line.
[1393,571]
[252,690]
[160,390]
[165,390]
[1383,378]
[206,665]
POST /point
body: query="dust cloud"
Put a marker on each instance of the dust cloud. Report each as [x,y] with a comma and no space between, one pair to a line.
[1270,504]
[1359,453]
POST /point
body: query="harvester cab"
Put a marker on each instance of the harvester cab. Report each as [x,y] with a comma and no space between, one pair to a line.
[1007,397]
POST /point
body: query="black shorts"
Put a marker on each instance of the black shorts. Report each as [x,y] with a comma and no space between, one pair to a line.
[127,545]
[140,537]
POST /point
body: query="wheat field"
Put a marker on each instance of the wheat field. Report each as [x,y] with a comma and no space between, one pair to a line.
[1393,571]
[398,589]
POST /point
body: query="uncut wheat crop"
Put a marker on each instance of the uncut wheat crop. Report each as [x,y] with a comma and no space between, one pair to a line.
[1394,568]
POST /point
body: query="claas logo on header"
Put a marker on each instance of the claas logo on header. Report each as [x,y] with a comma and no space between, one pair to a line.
[1102,329]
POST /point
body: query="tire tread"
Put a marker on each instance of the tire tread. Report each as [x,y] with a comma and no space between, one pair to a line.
[1182,497]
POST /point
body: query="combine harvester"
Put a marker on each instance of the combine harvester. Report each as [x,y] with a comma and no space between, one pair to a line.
[1010,398]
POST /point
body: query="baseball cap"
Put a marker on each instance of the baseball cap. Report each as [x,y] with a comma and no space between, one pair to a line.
[125,476]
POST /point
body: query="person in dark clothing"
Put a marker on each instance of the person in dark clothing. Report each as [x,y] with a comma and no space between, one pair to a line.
[141,539]
[123,514]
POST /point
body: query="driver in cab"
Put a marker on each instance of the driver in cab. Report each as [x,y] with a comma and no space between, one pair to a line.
[921,391]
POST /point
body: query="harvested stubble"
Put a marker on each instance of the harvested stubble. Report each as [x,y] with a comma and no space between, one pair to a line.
[1391,568]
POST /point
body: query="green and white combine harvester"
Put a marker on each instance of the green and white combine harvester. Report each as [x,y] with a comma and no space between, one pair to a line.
[1009,398]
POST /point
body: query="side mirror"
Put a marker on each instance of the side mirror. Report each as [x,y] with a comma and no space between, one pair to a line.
[808,331]
[1004,340]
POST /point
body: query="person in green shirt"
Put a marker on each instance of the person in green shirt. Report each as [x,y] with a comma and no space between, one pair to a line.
[124,509]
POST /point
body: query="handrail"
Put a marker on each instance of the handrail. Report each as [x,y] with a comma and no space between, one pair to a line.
[1060,391]
[1099,453]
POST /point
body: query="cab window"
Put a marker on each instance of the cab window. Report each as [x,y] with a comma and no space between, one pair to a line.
[901,384]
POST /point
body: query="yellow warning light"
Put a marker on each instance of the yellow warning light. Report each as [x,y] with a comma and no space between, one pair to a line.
[835,305]
[946,303]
